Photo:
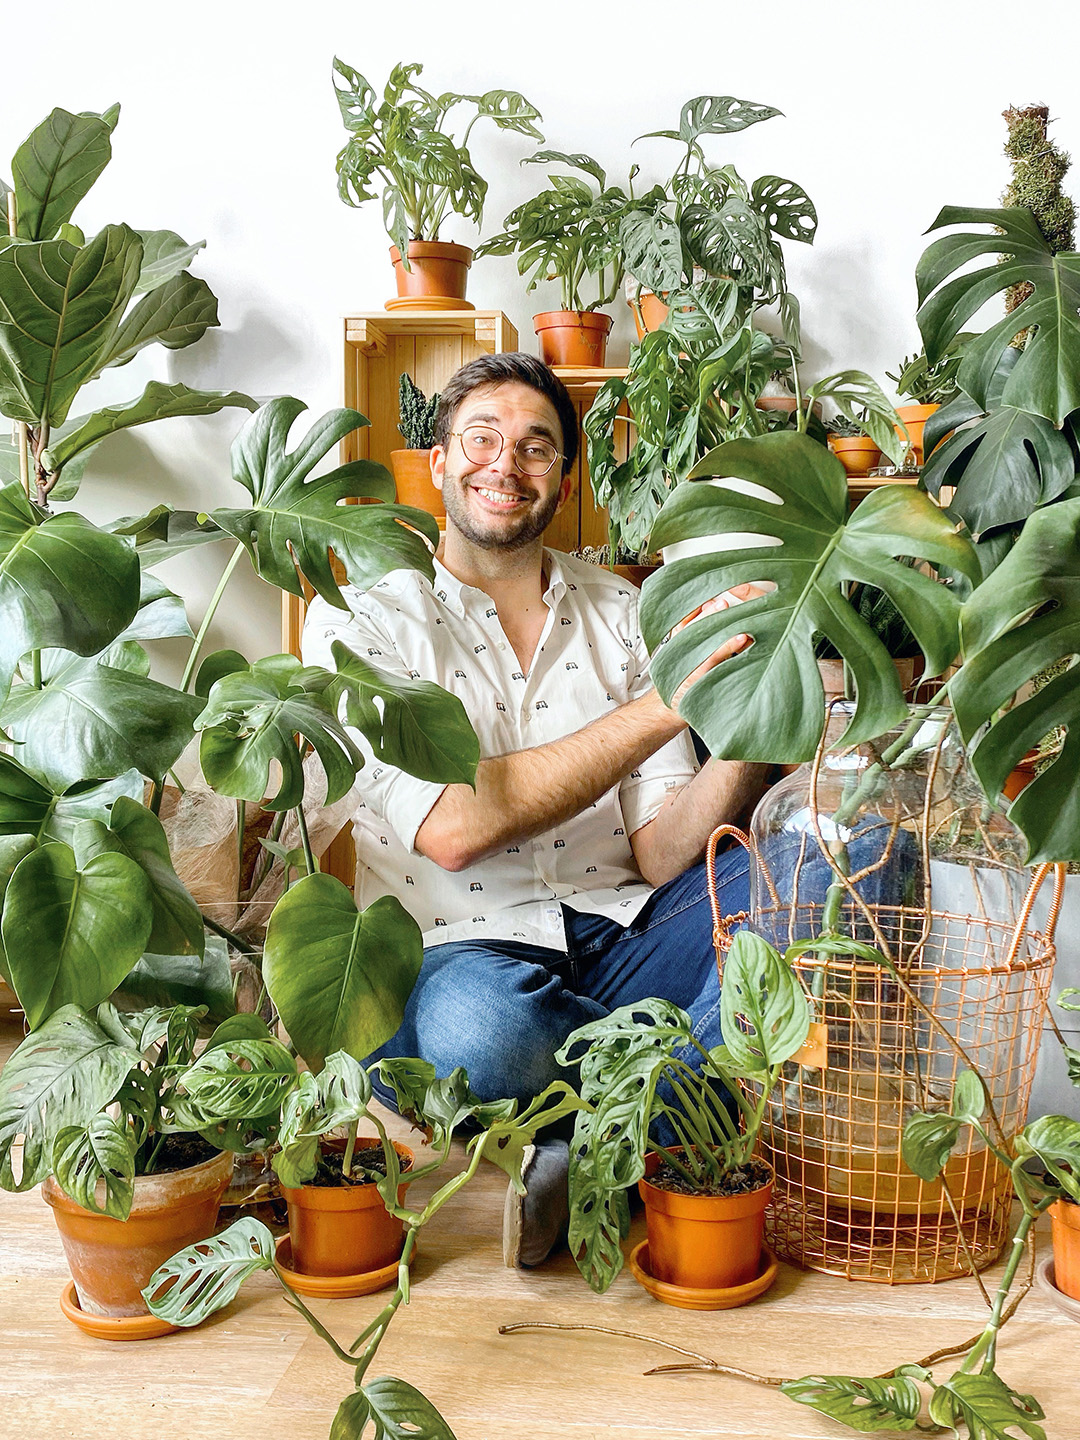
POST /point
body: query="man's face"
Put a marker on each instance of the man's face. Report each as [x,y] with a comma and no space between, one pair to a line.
[495,505]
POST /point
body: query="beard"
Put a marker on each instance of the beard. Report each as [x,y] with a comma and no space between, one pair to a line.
[511,533]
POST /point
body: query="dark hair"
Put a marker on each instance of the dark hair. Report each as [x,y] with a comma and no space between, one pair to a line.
[500,370]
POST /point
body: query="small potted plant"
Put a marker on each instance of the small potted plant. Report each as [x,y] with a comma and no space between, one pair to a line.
[928,388]
[705,1191]
[425,173]
[851,445]
[567,233]
[412,466]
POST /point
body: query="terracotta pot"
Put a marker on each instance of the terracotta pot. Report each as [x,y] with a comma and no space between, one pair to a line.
[111,1260]
[915,418]
[832,675]
[1020,778]
[572,337]
[704,1242]
[436,278]
[412,479]
[1065,1232]
[636,574]
[344,1229]
[649,311]
[857,453]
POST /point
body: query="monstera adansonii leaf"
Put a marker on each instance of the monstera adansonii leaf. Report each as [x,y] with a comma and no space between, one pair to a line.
[62,1074]
[1002,467]
[1046,378]
[787,523]
[63,583]
[421,728]
[1025,618]
[295,517]
[251,719]
[340,977]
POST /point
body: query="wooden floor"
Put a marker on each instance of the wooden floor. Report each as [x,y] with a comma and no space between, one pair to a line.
[256,1371]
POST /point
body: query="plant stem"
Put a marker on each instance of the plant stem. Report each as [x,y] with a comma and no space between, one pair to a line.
[238,943]
[984,1348]
[309,858]
[294,1300]
[266,859]
[241,817]
[350,1148]
[215,601]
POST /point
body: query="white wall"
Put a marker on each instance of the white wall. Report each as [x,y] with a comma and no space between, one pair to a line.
[229,130]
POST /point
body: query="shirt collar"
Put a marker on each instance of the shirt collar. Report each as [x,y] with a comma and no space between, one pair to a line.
[450,590]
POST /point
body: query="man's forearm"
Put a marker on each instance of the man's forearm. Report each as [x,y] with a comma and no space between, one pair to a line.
[723,792]
[521,795]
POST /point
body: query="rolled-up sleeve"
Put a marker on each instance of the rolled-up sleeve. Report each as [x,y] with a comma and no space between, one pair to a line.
[643,792]
[402,800]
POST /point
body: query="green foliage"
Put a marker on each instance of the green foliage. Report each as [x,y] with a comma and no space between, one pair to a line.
[858,396]
[404,140]
[862,1403]
[988,1407]
[416,414]
[926,384]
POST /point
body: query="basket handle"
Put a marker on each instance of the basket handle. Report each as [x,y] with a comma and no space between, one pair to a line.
[722,923]
[1029,901]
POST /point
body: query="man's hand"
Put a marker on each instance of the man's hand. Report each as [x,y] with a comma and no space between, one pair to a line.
[730,647]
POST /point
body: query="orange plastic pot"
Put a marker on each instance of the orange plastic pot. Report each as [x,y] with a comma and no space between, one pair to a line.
[915,418]
[436,279]
[572,337]
[112,1260]
[857,453]
[649,311]
[1065,1233]
[346,1229]
[413,483]
[704,1242]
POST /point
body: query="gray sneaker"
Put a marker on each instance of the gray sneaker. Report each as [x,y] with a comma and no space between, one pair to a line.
[535,1223]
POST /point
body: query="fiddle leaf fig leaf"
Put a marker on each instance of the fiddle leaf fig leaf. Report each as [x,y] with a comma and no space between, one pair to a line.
[788,509]
[764,1014]
[251,719]
[422,729]
[295,518]
[175,314]
[928,1142]
[157,402]
[340,977]
[1017,626]
[62,306]
[55,167]
[720,115]
[165,254]
[101,1151]
[201,1280]
[1045,380]
[62,1074]
[72,932]
[863,1403]
[987,1406]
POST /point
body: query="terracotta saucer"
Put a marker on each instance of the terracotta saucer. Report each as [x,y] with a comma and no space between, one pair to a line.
[334,1287]
[112,1327]
[1065,1303]
[689,1297]
[427,302]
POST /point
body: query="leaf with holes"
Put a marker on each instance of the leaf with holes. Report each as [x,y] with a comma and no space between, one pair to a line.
[396,1410]
[764,1014]
[785,207]
[862,1403]
[102,1151]
[720,115]
[201,1280]
[988,1407]
[859,397]
[1055,1140]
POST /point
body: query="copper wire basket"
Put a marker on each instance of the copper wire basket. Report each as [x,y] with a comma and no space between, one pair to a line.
[967,992]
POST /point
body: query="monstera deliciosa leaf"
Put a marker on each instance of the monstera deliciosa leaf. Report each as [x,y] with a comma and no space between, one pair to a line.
[340,977]
[250,720]
[793,530]
[1046,377]
[31,805]
[1023,621]
[295,518]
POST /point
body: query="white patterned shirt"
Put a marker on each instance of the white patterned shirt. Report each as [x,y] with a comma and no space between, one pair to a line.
[590,660]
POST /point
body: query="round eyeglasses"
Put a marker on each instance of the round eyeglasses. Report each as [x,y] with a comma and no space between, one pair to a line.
[483,445]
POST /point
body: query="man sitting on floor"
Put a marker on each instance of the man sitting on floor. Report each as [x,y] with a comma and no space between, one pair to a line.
[571,881]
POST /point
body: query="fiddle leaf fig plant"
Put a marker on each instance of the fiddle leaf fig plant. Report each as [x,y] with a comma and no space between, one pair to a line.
[404,142]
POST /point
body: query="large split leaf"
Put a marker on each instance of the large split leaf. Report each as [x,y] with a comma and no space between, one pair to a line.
[100,720]
[62,1074]
[60,309]
[340,977]
[63,583]
[422,729]
[1046,377]
[987,1406]
[72,932]
[1024,620]
[862,1403]
[296,517]
[764,1014]
[157,402]
[55,166]
[767,703]
[197,1282]
[163,532]
[250,721]
[859,397]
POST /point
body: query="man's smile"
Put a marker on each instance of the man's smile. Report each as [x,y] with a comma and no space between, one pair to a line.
[498,498]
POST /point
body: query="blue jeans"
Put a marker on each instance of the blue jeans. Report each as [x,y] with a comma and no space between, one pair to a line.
[502,1008]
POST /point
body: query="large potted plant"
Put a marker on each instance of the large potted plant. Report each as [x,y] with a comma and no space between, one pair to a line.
[403,144]
[704,1188]
[567,233]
